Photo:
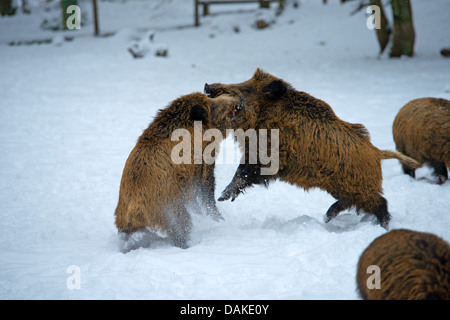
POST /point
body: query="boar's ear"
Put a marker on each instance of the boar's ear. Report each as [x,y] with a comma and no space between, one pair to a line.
[275,89]
[199,113]
[259,74]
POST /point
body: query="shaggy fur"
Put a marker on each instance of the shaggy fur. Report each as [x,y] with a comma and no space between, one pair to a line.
[413,266]
[316,148]
[154,192]
[421,130]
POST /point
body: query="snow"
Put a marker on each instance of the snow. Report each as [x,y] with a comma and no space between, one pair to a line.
[71,111]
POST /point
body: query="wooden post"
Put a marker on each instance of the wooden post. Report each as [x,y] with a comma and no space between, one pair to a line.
[197,22]
[205,9]
[264,4]
[96,29]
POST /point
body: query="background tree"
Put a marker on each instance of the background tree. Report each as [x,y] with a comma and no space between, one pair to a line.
[7,8]
[403,33]
[384,32]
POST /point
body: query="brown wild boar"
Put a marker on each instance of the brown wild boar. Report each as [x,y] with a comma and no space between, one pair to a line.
[421,130]
[411,265]
[154,191]
[316,148]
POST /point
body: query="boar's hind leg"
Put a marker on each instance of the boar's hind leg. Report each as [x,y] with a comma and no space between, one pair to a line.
[382,213]
[335,209]
[440,170]
[409,171]
[207,197]
[181,226]
[378,207]
[209,202]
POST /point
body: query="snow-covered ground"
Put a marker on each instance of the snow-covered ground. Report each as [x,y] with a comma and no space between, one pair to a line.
[71,111]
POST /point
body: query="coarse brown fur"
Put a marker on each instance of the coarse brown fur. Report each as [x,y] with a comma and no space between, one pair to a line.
[154,191]
[421,130]
[316,148]
[412,266]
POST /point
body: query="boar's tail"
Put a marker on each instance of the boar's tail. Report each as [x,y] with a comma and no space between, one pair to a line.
[404,160]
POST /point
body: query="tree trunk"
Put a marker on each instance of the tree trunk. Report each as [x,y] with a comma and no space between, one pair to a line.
[384,32]
[264,4]
[7,8]
[404,35]
[25,7]
[95,13]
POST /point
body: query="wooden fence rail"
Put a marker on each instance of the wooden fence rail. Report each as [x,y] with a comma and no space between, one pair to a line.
[206,3]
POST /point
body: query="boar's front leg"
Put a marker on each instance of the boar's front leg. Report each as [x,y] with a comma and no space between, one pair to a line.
[246,175]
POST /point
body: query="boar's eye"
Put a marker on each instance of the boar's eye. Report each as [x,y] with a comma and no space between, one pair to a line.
[246,89]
